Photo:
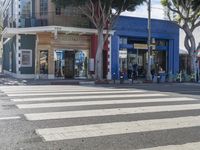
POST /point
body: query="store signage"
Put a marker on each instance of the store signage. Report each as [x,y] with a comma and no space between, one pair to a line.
[142,46]
[73,38]
[123,54]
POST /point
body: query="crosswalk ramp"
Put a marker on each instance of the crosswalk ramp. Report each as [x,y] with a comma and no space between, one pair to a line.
[40,103]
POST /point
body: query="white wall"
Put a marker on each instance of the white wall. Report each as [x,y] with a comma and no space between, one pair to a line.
[182,37]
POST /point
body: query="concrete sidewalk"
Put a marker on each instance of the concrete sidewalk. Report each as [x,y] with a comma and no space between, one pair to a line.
[8,80]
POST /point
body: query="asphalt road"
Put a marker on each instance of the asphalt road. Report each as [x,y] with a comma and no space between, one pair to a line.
[117,117]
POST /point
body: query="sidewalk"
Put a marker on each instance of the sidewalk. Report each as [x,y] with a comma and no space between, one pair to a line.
[8,80]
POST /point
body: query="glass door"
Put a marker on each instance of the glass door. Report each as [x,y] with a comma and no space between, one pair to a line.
[59,64]
[43,62]
[69,64]
[81,63]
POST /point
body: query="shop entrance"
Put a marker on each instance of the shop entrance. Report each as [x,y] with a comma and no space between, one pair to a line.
[43,63]
[71,64]
[135,62]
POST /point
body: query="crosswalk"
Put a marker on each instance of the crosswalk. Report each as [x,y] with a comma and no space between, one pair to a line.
[44,103]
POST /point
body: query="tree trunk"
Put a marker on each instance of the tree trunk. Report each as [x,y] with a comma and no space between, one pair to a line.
[99,55]
[191,47]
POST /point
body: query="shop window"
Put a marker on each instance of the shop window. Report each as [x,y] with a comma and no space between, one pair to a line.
[123,61]
[81,63]
[159,59]
[26,58]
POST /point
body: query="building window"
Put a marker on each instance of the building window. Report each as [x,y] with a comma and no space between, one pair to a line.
[58,11]
[43,7]
[26,9]
[72,11]
[26,59]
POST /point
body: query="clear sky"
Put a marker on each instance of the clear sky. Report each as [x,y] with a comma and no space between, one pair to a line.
[141,11]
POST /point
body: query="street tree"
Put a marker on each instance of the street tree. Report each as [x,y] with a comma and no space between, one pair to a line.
[102,14]
[186,14]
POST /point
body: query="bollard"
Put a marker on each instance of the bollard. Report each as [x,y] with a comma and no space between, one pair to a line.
[121,78]
[158,79]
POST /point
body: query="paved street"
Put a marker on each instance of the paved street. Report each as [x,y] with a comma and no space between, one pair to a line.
[147,117]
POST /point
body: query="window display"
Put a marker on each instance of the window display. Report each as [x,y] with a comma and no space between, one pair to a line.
[26,58]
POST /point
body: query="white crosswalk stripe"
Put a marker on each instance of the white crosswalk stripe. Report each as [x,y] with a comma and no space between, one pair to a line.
[104,102]
[35,99]
[77,93]
[86,97]
[108,112]
[63,133]
[56,90]
[187,146]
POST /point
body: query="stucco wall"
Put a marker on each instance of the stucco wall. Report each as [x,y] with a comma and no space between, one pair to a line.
[28,42]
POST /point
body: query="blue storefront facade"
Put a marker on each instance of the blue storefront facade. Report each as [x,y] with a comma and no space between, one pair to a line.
[129,47]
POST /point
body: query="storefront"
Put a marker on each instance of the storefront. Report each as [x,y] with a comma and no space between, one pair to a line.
[71,63]
[135,58]
[129,45]
[67,56]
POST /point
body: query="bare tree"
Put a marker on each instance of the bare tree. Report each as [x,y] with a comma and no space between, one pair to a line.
[186,15]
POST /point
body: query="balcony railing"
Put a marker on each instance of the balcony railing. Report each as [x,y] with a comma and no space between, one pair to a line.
[50,19]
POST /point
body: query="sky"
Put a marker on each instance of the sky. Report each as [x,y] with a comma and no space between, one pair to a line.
[141,11]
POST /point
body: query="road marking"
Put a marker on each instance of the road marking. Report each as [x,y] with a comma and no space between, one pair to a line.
[95,130]
[86,97]
[10,118]
[109,112]
[104,102]
[187,146]
[75,93]
[23,91]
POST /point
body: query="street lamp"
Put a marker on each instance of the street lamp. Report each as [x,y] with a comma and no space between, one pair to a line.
[148,75]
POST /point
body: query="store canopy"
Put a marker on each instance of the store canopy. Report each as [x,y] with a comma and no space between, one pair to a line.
[10,32]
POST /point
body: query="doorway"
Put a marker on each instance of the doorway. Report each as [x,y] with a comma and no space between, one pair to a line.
[71,64]
[43,62]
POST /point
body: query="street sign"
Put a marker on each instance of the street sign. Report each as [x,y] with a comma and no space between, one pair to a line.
[123,54]
[143,46]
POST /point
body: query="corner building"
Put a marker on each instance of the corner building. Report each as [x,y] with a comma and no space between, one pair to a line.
[129,46]
[45,42]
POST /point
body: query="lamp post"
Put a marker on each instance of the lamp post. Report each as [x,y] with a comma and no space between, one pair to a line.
[148,75]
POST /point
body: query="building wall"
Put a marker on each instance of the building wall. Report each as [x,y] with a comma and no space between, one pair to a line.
[137,27]
[71,20]
[28,42]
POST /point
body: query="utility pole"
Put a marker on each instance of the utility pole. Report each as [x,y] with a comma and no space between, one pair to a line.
[148,75]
